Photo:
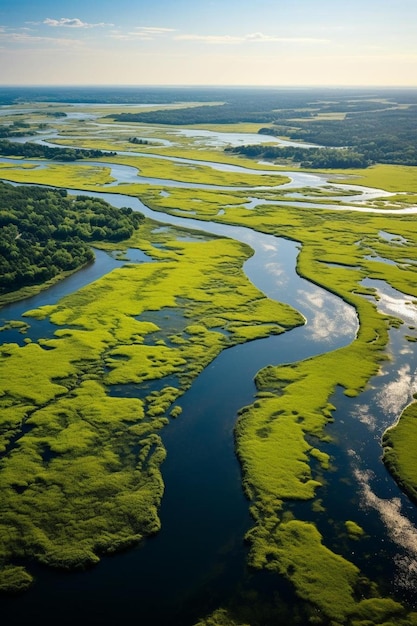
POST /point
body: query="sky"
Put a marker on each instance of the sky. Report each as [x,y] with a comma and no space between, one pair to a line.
[208,42]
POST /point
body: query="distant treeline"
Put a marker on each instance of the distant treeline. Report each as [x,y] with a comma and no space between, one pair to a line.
[307,157]
[222,114]
[37,150]
[257,108]
[251,98]
[44,232]
[110,95]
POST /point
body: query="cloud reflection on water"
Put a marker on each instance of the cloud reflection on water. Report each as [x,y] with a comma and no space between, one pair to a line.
[328,316]
[399,528]
[364,414]
[278,273]
[399,305]
[390,301]
[396,394]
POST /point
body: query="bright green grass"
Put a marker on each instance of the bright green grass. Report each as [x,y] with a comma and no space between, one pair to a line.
[205,204]
[389,177]
[354,531]
[90,176]
[272,436]
[58,174]
[321,577]
[195,173]
[399,444]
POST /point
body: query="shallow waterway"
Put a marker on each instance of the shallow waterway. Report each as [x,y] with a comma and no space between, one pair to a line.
[198,559]
[123,174]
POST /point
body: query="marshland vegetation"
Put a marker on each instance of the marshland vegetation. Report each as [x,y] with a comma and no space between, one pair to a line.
[82,468]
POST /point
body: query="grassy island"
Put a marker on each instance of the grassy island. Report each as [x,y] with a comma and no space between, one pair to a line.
[399,445]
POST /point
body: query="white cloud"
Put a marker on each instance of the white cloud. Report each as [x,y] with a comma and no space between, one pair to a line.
[71,22]
[154,30]
[249,38]
[143,33]
[24,39]
[211,39]
[261,38]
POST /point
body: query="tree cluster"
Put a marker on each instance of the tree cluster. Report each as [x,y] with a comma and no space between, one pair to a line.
[329,158]
[138,141]
[17,129]
[36,150]
[12,131]
[56,114]
[44,232]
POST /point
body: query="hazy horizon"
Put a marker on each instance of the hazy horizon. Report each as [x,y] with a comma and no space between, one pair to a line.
[203,86]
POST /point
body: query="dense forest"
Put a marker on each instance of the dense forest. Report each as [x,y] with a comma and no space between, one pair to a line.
[385,136]
[357,140]
[306,157]
[221,114]
[36,150]
[270,105]
[45,232]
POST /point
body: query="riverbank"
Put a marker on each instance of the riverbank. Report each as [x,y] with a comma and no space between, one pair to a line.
[398,444]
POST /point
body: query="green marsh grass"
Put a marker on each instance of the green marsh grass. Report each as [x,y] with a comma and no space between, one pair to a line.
[354,531]
[58,175]
[399,445]
[402,178]
[195,173]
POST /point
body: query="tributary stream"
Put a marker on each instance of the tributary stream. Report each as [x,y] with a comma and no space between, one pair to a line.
[198,560]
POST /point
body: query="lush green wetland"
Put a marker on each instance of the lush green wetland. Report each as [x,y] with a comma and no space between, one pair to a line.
[214,421]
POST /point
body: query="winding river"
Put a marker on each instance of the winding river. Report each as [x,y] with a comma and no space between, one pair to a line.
[197,561]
